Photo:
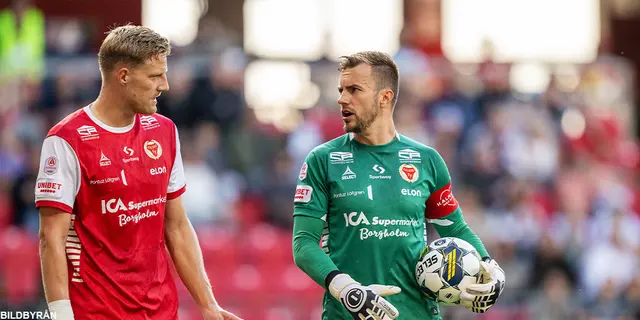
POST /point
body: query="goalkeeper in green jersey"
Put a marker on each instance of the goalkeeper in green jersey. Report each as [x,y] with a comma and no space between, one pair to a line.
[366,197]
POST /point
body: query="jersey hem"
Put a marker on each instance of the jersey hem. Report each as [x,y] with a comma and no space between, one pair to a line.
[177,193]
[54,204]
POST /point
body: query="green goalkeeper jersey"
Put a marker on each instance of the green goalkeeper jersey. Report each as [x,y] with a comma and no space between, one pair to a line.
[375,201]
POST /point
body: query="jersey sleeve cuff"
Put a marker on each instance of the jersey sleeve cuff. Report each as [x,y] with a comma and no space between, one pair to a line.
[177,193]
[54,204]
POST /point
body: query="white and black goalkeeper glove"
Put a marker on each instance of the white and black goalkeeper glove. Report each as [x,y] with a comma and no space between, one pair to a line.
[363,302]
[483,295]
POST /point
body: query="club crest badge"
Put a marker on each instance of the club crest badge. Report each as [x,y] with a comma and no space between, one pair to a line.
[409,172]
[153,149]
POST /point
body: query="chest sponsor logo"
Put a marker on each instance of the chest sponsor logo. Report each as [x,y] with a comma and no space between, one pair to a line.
[50,165]
[380,228]
[141,210]
[129,152]
[411,193]
[149,122]
[88,133]
[303,193]
[380,170]
[348,174]
[105,180]
[153,149]
[409,172]
[341,157]
[409,156]
[104,161]
[348,194]
[48,188]
[303,171]
[158,170]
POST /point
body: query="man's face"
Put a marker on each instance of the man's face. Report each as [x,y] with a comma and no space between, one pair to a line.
[145,83]
[358,98]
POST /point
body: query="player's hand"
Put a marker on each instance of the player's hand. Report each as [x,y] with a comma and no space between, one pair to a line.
[364,302]
[218,313]
[483,295]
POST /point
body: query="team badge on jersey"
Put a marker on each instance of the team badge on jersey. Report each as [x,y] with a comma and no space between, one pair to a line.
[409,172]
[153,149]
[303,171]
[50,165]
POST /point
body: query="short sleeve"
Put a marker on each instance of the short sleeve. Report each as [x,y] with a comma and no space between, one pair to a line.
[311,197]
[58,179]
[441,202]
[177,181]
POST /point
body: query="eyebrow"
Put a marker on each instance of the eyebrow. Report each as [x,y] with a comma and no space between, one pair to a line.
[350,86]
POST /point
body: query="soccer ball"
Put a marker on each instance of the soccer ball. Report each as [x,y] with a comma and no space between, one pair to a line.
[445,268]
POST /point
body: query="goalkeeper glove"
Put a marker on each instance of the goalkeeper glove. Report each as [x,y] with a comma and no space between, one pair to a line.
[363,302]
[483,295]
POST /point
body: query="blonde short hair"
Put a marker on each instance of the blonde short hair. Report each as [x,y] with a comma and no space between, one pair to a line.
[131,45]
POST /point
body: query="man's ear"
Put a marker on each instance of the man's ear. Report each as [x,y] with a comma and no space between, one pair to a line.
[122,75]
[386,97]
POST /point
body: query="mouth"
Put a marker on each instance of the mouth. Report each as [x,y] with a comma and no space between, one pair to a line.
[347,115]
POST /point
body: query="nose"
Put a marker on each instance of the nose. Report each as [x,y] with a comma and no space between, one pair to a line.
[164,84]
[343,99]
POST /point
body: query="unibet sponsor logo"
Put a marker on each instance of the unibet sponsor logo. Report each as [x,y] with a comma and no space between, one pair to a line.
[303,193]
[117,205]
[355,219]
[348,194]
[411,193]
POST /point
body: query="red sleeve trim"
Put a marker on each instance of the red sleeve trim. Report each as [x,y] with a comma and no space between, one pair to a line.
[54,204]
[177,193]
[441,203]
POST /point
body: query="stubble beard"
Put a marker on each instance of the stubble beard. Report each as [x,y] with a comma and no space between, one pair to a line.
[363,123]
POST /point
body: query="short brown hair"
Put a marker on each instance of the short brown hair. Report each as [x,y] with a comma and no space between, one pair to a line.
[131,45]
[383,67]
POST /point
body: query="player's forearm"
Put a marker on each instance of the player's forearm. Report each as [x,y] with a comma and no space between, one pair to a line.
[55,275]
[185,252]
[459,229]
[307,255]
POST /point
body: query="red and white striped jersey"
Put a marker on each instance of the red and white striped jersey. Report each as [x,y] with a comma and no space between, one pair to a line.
[115,183]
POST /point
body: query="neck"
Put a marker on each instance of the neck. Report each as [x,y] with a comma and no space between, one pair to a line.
[380,132]
[110,109]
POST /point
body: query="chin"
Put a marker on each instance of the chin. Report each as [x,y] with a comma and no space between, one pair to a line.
[151,109]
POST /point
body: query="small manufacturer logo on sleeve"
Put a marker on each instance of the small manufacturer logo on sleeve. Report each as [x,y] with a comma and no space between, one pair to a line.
[303,171]
[50,165]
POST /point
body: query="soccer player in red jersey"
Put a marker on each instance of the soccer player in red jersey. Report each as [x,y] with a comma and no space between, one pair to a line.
[108,191]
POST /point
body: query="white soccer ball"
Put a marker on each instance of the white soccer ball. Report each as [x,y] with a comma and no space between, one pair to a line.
[445,268]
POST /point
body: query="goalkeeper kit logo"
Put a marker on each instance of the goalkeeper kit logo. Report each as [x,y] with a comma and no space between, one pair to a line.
[355,219]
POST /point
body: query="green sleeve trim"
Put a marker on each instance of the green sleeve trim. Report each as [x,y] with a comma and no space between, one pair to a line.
[307,254]
[453,225]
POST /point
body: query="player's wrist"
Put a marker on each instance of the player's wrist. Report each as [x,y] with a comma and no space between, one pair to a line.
[61,309]
[339,283]
[330,276]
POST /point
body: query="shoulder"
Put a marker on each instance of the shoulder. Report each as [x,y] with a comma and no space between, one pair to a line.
[74,122]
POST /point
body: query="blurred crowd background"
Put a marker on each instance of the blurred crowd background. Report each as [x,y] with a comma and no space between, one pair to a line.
[540,137]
